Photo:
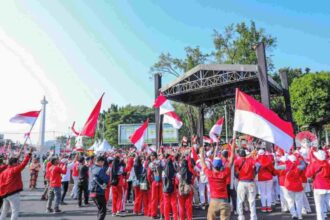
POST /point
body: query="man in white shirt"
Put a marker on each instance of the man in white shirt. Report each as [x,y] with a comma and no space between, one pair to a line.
[66,177]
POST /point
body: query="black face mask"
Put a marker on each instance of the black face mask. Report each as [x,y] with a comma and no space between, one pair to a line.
[242,153]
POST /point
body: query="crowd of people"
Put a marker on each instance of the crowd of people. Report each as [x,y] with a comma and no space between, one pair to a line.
[172,181]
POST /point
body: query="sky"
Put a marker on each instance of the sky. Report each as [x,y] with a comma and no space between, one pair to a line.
[73,51]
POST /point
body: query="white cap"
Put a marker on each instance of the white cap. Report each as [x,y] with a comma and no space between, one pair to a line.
[261,152]
[320,155]
[292,158]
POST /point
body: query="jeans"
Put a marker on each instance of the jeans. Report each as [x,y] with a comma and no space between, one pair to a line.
[101,206]
[14,202]
[83,188]
[216,207]
[202,187]
[54,192]
[65,186]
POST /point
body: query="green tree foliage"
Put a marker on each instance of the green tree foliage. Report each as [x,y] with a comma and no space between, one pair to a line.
[235,45]
[310,98]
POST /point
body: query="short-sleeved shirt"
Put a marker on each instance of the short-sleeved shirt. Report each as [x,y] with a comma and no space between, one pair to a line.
[218,182]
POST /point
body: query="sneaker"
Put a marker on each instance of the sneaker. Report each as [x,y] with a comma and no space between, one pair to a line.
[63,203]
[294,217]
[269,209]
[263,209]
[57,211]
[155,217]
[49,211]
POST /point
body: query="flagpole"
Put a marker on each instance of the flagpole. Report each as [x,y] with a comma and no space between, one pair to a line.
[28,136]
[225,107]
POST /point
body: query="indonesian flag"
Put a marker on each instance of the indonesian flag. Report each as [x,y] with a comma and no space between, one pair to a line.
[137,137]
[173,119]
[194,154]
[25,118]
[207,140]
[216,130]
[163,104]
[253,118]
[90,125]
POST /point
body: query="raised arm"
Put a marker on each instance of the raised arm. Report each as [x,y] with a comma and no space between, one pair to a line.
[201,154]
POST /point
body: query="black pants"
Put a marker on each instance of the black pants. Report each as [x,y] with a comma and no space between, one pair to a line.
[101,206]
[83,188]
[129,191]
[65,186]
[232,194]
[1,202]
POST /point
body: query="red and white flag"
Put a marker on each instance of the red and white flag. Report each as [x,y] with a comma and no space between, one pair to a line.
[253,118]
[216,130]
[137,137]
[163,104]
[90,125]
[207,140]
[173,119]
[166,109]
[25,118]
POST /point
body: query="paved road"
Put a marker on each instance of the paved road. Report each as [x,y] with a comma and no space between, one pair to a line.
[34,209]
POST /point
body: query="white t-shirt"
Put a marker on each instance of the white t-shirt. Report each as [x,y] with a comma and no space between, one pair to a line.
[66,177]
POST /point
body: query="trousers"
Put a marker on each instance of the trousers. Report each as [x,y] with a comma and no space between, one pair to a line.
[74,192]
[321,199]
[216,207]
[170,203]
[54,193]
[156,198]
[101,205]
[202,187]
[137,200]
[83,188]
[65,186]
[13,202]
[266,188]
[284,204]
[295,202]
[117,194]
[246,189]
[185,206]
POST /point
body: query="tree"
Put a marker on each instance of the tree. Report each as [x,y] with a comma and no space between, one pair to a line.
[310,97]
[235,45]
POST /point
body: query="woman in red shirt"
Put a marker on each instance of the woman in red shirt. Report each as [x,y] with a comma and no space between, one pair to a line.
[265,180]
[319,171]
[293,184]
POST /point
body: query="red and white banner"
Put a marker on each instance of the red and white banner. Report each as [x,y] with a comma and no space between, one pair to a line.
[253,118]
[25,118]
[173,119]
[216,130]
[207,140]
[137,137]
[163,104]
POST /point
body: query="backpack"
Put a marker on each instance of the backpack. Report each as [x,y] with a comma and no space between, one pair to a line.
[184,188]
[168,186]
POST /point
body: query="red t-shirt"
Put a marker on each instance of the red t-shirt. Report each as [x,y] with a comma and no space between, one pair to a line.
[55,175]
[218,182]
[75,171]
[245,171]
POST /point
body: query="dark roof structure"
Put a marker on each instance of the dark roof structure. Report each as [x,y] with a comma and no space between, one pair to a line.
[210,84]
